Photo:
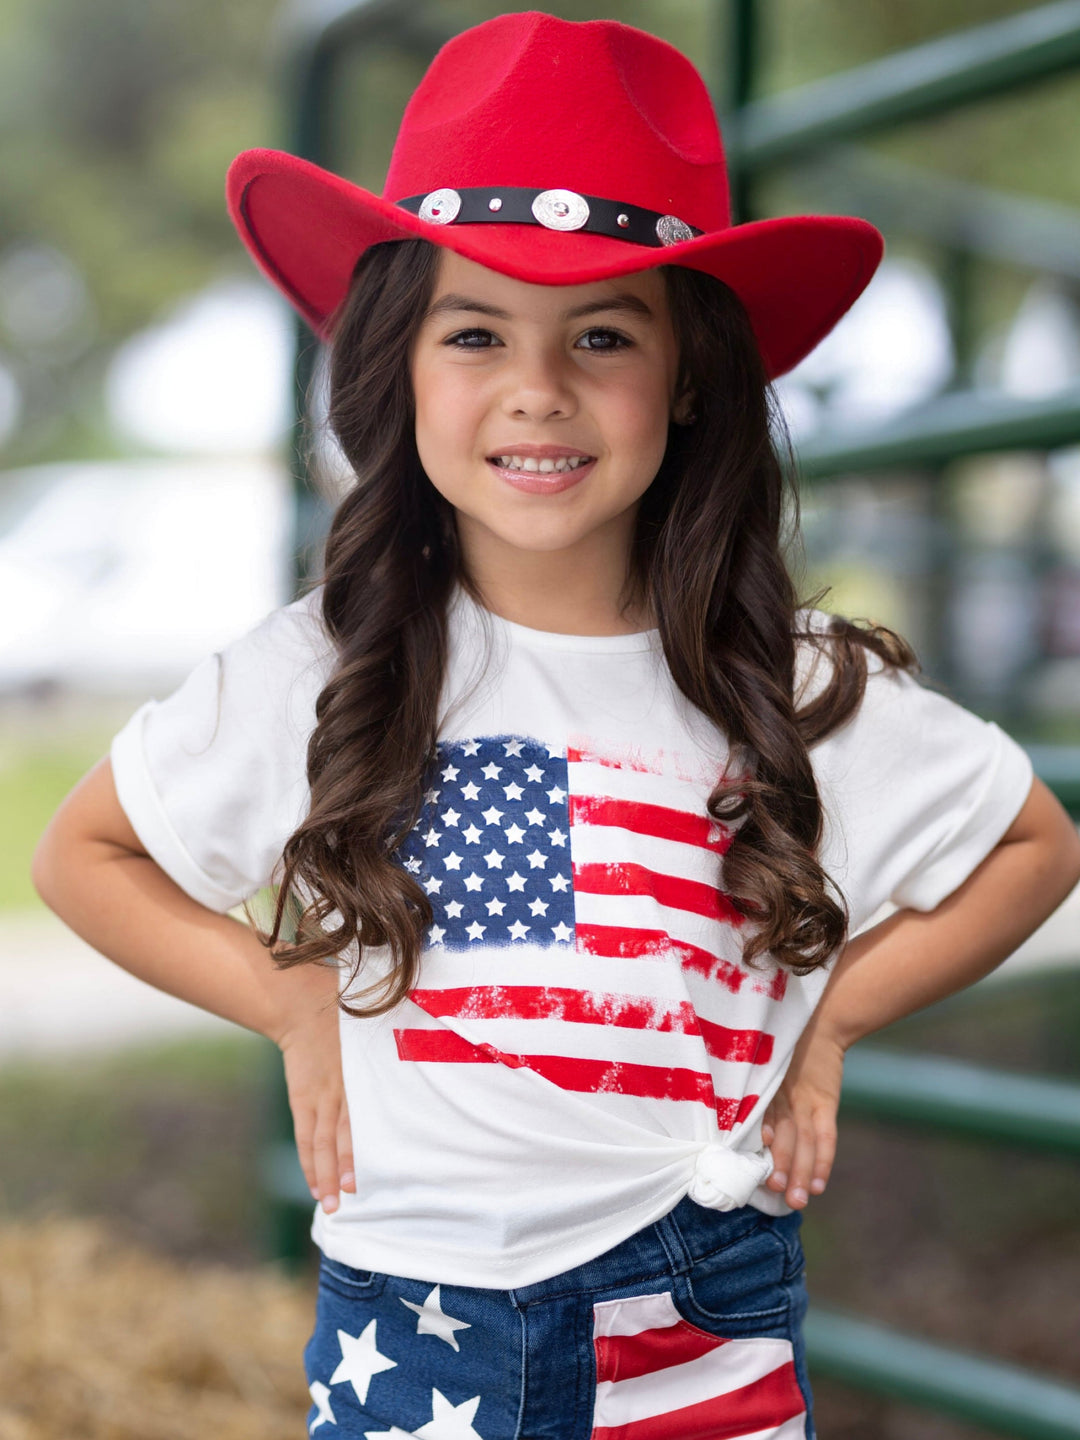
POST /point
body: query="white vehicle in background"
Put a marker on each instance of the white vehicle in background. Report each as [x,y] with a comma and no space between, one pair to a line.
[118,576]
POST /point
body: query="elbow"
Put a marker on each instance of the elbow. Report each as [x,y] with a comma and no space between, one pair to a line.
[1074,856]
[43,869]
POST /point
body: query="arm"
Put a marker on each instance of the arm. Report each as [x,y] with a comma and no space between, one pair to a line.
[91,869]
[908,961]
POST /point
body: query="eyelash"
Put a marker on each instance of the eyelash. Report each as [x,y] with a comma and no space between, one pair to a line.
[624,343]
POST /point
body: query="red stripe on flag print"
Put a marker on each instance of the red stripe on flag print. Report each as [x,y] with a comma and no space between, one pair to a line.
[589,1007]
[596,1077]
[576,756]
[771,1408]
[644,819]
[755,1047]
[621,942]
[730,1113]
[598,878]
[558,1002]
[623,1357]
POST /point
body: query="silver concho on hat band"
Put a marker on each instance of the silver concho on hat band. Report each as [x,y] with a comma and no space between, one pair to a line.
[560,209]
[670,230]
[440,206]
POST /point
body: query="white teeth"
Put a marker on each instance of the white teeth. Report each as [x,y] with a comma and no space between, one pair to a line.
[543,467]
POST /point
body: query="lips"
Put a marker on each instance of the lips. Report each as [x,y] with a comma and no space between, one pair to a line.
[534,482]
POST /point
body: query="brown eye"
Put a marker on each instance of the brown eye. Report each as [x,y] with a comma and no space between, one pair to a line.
[621,342]
[453,340]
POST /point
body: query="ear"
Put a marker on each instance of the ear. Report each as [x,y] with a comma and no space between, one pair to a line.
[683,410]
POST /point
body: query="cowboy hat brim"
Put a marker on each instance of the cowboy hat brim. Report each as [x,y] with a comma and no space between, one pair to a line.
[306,227]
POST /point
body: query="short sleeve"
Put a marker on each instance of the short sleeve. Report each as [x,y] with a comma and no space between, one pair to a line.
[917,791]
[214,777]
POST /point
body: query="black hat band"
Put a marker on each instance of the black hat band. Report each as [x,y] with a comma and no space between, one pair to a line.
[553,209]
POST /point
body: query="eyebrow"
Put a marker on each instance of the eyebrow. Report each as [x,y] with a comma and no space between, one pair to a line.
[631,304]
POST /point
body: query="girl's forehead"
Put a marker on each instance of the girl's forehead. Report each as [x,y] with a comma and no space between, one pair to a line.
[457,276]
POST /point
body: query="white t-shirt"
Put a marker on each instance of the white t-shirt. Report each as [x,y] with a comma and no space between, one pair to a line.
[584,1046]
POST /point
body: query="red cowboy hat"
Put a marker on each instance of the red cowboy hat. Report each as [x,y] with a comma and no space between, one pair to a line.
[558,152]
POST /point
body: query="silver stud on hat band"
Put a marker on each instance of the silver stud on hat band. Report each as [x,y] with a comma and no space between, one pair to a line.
[440,207]
[671,230]
[557,209]
[560,209]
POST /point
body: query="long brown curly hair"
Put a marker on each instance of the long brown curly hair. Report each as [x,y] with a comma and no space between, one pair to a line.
[708,558]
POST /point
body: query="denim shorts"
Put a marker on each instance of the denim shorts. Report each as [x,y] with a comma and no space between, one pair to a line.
[689,1330]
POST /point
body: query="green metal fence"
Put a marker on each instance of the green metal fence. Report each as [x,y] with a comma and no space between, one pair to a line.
[821,120]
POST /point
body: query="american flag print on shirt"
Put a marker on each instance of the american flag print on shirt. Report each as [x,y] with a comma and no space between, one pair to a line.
[660,1378]
[577,899]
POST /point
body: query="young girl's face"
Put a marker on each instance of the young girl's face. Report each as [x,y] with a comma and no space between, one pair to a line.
[502,368]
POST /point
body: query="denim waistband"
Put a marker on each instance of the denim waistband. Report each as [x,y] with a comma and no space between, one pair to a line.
[674,1243]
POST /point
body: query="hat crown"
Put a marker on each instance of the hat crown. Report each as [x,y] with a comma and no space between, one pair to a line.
[596,106]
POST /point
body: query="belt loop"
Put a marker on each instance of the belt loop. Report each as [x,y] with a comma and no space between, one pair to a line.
[675,1247]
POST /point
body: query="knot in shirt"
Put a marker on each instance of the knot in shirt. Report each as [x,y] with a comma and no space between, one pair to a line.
[724,1178]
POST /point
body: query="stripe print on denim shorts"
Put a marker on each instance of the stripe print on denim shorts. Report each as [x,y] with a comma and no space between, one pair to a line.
[689,1330]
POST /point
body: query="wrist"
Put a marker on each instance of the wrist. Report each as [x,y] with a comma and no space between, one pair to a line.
[831,1031]
[300,999]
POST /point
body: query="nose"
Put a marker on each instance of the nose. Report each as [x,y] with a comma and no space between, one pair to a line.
[540,386]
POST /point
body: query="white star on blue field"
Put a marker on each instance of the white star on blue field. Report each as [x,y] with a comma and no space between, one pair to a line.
[492,846]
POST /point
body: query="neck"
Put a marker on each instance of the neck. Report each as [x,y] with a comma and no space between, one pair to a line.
[562,591]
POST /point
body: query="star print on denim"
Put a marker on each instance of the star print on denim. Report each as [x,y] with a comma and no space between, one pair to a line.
[448,1422]
[435,1321]
[360,1360]
[492,846]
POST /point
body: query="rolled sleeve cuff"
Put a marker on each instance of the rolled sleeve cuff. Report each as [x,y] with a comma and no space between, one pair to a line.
[142,805]
[1001,798]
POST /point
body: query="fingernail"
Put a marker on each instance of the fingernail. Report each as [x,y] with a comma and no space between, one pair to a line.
[780,1177]
[817,1186]
[314,1193]
[348,1180]
[799,1195]
[330,1204]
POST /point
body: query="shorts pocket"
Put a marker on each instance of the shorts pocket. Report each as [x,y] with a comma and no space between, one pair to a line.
[745,1283]
[653,1366]
[348,1283]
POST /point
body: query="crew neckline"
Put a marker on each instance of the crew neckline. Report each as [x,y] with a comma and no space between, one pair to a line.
[637,640]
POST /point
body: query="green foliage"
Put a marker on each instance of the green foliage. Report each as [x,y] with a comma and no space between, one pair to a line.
[35,775]
[162,1140]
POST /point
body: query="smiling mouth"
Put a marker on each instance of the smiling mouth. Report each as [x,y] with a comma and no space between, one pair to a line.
[528,465]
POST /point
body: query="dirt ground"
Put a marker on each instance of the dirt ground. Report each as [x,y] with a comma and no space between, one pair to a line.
[105,1341]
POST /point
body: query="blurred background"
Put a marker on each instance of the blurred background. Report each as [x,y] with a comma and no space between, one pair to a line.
[153,506]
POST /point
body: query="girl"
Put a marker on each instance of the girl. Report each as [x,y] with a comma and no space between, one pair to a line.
[572,808]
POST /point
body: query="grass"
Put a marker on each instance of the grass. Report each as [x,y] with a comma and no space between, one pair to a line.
[38,767]
[162,1142]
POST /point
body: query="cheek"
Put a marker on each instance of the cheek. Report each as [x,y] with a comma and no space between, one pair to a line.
[443,419]
[640,419]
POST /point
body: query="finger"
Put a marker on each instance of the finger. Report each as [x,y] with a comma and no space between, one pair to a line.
[326,1166]
[825,1156]
[774,1114]
[303,1131]
[346,1168]
[783,1150]
[803,1166]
